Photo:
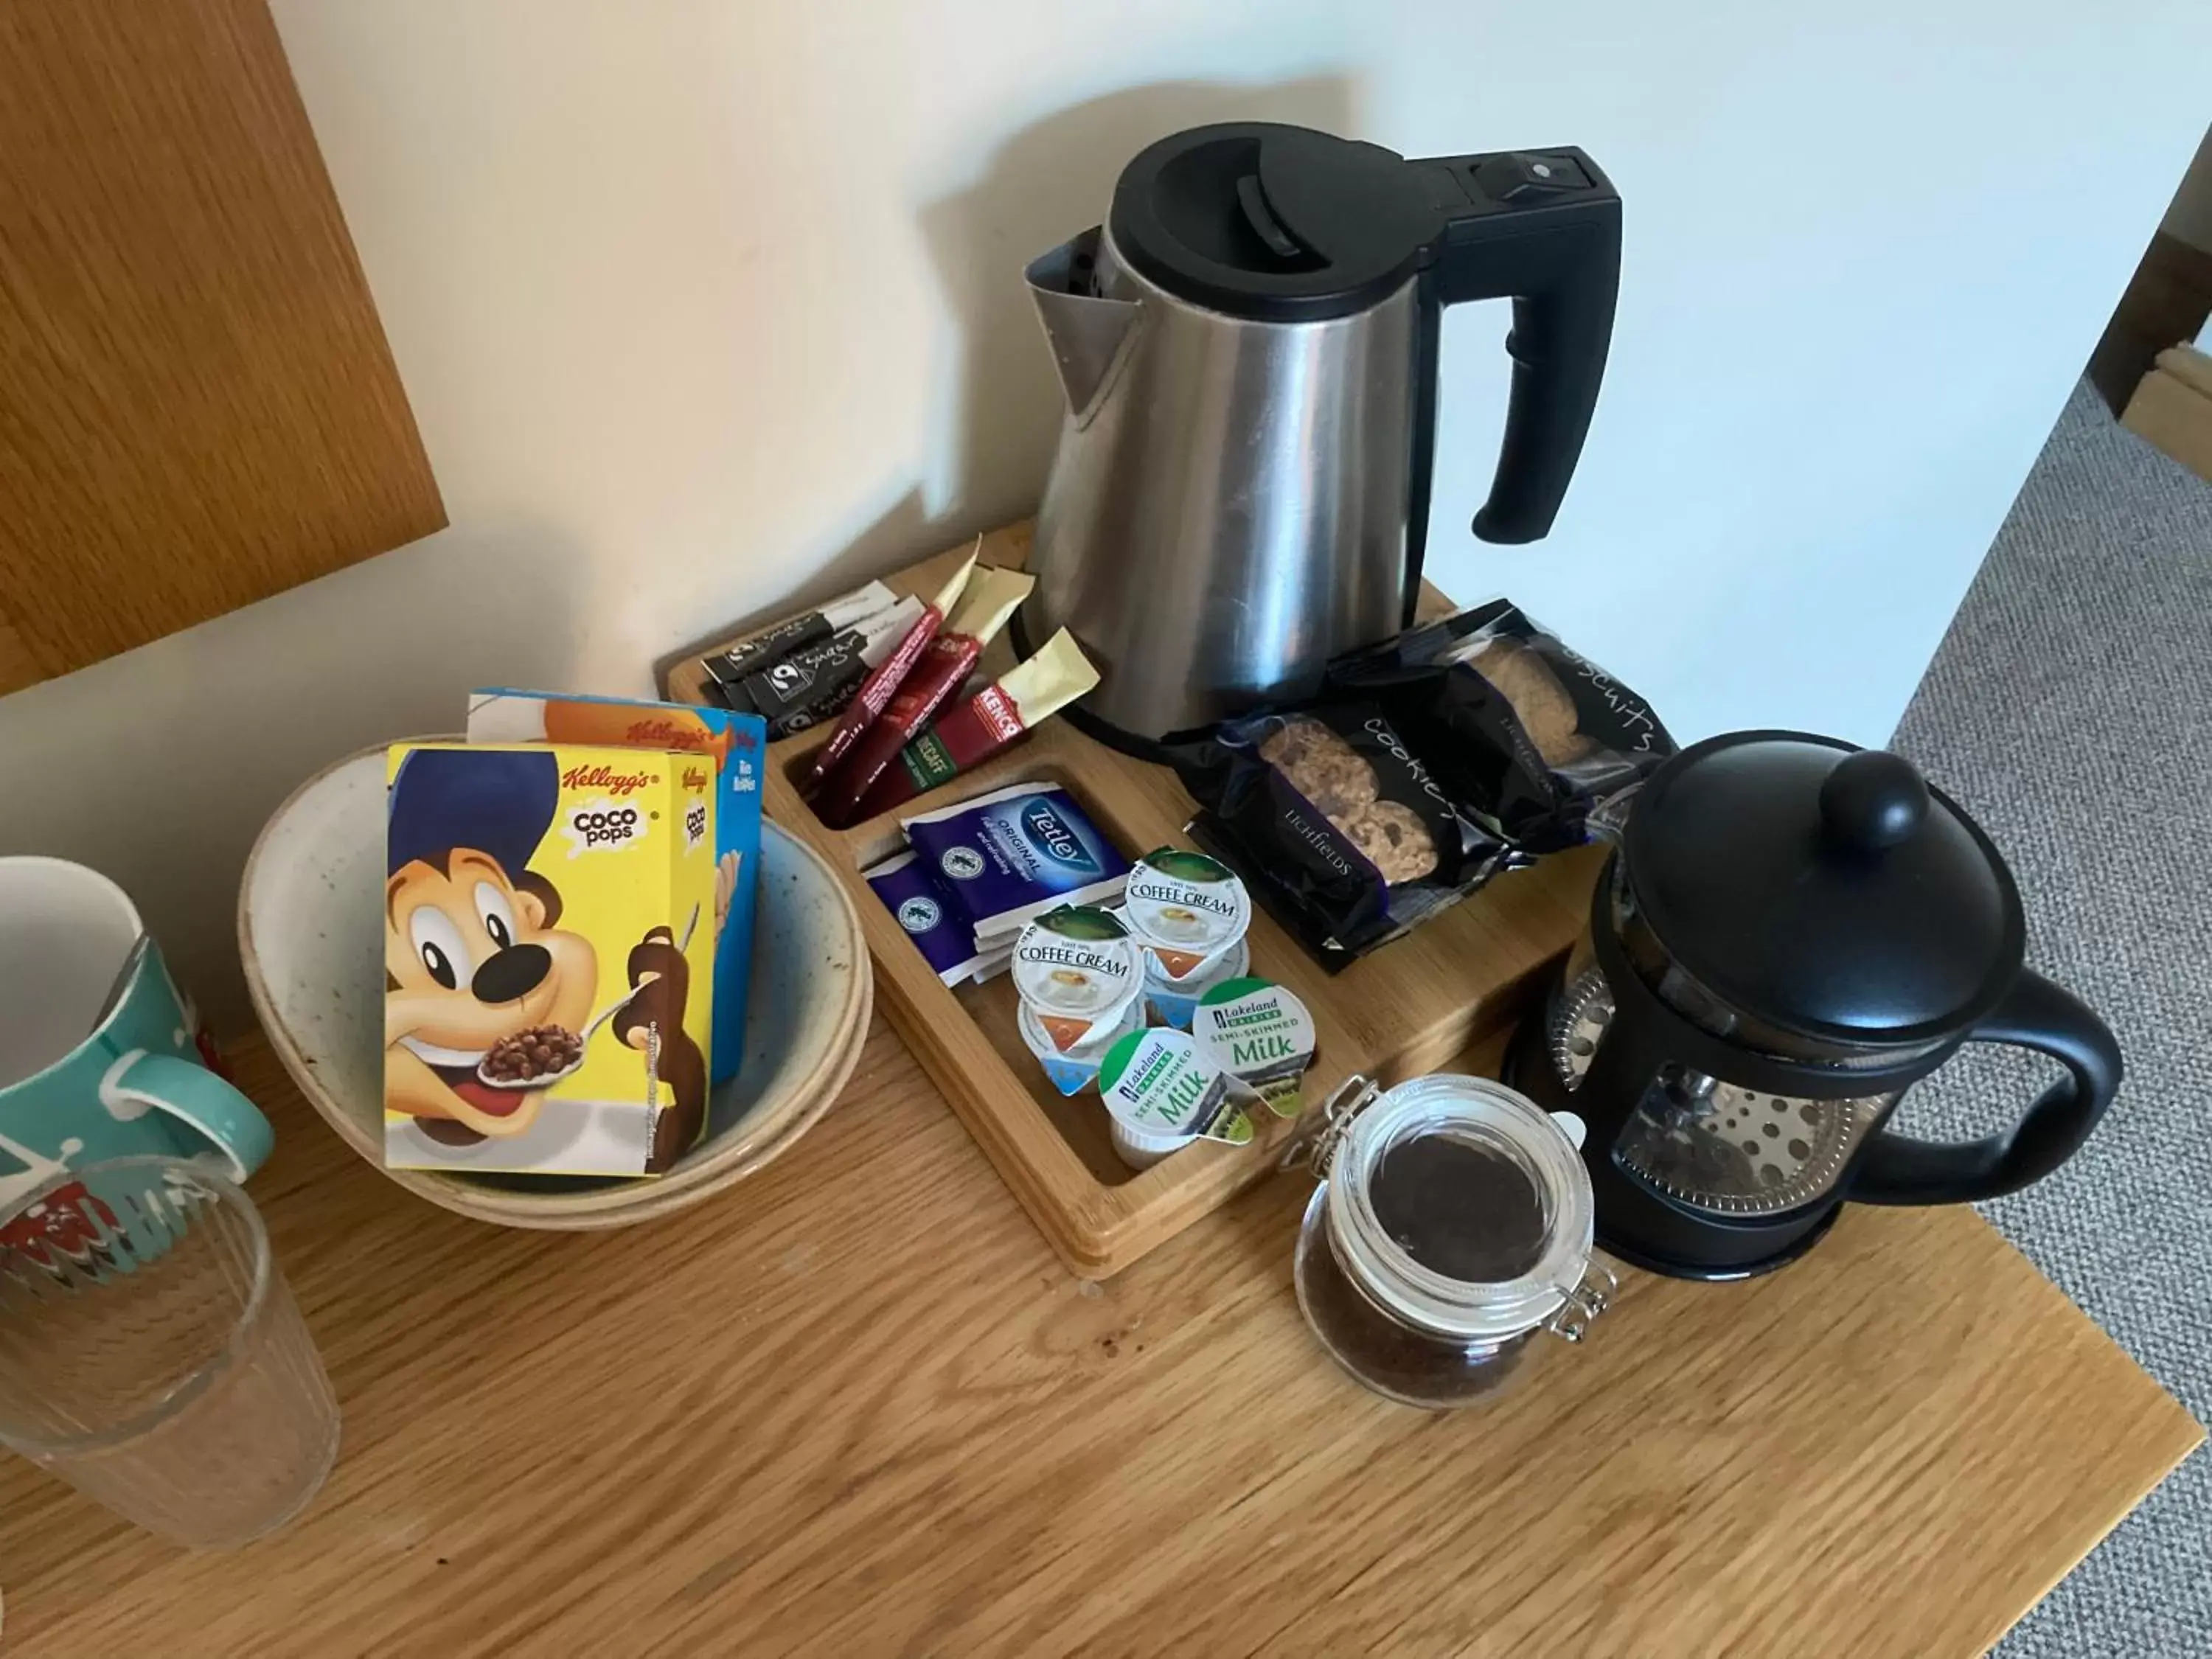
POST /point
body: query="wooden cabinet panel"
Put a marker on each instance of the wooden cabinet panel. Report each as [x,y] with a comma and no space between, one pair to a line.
[198,407]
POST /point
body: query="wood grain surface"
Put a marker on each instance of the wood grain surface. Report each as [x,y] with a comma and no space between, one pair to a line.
[855,1408]
[1403,1010]
[198,407]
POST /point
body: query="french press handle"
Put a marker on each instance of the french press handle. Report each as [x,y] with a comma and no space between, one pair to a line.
[2036,1014]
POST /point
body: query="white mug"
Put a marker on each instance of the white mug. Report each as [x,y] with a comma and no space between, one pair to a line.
[100,1055]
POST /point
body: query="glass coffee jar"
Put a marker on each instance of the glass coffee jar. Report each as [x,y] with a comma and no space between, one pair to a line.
[1451,1225]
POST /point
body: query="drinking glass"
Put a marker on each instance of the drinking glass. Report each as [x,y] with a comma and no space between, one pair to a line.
[151,1354]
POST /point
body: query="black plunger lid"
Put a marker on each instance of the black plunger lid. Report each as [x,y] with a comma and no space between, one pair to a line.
[1275,223]
[1823,889]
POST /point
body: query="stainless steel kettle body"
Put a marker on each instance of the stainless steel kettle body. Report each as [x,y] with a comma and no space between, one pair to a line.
[1248,347]
[1229,504]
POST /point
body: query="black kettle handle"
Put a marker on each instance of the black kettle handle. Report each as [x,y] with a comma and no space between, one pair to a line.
[1542,227]
[1898,1169]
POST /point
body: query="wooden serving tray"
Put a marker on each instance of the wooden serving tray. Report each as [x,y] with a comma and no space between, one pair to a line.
[1407,1009]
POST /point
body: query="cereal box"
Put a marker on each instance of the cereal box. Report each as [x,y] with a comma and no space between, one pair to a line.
[735,741]
[548,957]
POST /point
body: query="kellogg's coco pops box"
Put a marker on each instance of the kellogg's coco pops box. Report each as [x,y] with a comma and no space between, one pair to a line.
[736,743]
[549,948]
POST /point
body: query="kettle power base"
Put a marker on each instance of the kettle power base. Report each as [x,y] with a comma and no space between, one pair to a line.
[1409,1008]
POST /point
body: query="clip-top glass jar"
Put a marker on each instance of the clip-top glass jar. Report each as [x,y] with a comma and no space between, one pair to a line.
[1452,1224]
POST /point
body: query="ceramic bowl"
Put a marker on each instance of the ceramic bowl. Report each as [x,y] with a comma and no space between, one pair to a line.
[310,930]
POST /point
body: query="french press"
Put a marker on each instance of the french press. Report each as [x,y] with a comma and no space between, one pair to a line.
[1790,934]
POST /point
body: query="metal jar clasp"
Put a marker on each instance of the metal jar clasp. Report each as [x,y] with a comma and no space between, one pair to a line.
[1317,1137]
[1590,1299]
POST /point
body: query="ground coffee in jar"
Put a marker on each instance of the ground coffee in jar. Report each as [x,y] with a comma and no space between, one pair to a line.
[1452,1224]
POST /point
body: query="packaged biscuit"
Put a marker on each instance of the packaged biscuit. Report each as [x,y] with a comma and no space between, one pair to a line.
[735,743]
[1532,741]
[548,957]
[1339,827]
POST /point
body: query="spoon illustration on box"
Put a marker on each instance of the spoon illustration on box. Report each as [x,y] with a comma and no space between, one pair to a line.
[583,1043]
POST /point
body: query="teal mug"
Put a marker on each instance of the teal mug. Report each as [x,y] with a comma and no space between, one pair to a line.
[101,1056]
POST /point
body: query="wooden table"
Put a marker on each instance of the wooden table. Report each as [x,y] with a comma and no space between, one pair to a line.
[855,1407]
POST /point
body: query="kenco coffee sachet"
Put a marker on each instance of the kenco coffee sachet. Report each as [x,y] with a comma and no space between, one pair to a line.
[885,679]
[843,795]
[990,720]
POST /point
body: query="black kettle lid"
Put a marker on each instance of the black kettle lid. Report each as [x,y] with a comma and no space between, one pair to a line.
[1823,889]
[1272,222]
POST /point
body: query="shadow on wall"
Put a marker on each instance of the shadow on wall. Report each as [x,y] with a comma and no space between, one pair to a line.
[190,742]
[1002,400]
[1042,186]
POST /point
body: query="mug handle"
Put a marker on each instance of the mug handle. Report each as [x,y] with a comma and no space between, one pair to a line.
[2038,1015]
[197,1098]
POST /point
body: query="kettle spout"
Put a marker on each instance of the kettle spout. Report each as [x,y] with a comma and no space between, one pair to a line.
[1084,327]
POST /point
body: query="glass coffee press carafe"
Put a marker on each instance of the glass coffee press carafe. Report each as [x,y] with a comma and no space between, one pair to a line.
[1790,934]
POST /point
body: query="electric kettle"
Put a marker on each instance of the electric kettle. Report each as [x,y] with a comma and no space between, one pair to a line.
[1790,934]
[1247,346]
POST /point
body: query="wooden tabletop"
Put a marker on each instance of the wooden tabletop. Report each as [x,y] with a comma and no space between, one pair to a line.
[855,1407]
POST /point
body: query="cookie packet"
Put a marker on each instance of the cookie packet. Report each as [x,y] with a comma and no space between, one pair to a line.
[1337,825]
[1533,742]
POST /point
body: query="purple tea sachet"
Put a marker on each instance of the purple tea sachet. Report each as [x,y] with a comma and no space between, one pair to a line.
[943,936]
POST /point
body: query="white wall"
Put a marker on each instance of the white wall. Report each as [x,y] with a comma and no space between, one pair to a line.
[694,298]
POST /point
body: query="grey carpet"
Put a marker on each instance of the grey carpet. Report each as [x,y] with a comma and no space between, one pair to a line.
[2070,710]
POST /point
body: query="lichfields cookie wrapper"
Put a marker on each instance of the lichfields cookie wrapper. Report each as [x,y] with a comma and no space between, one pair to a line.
[1335,822]
[1534,743]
